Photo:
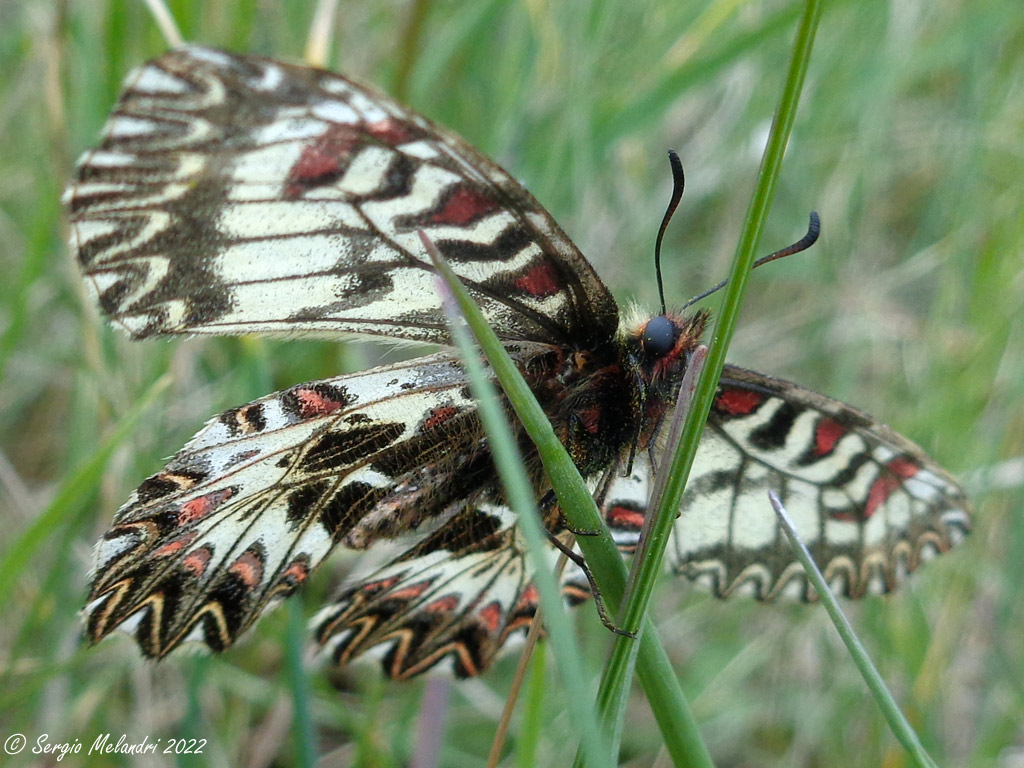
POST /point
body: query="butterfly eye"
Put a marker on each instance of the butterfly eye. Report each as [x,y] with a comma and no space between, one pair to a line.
[659,336]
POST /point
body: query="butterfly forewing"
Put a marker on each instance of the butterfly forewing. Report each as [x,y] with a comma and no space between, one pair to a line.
[237,194]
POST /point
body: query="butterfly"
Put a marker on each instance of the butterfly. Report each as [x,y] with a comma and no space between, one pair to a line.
[233,194]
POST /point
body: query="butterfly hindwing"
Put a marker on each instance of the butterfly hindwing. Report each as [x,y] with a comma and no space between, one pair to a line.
[236,194]
[868,503]
[459,593]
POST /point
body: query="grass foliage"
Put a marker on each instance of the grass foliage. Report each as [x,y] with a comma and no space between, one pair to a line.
[908,142]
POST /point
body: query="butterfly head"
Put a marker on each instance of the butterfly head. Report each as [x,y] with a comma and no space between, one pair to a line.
[659,347]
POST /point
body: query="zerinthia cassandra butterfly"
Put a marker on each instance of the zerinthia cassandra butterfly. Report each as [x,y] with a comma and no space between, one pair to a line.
[234,194]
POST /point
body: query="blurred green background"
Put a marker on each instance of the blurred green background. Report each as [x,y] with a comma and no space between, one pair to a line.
[910,144]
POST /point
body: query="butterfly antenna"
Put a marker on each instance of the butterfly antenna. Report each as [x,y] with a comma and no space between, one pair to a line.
[805,242]
[678,182]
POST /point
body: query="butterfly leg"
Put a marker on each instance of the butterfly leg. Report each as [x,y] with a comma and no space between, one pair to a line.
[581,563]
[579,531]
[547,503]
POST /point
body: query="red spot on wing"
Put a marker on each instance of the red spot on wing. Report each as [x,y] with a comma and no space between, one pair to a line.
[373,587]
[412,591]
[529,599]
[312,403]
[445,604]
[201,506]
[541,280]
[463,206]
[197,561]
[315,162]
[624,518]
[826,434]
[248,568]
[321,162]
[296,573]
[439,416]
[880,492]
[903,468]
[174,547]
[891,478]
[738,402]
[491,615]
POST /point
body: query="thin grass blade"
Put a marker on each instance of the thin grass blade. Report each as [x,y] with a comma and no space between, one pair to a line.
[898,724]
[520,496]
[678,726]
[647,568]
[77,487]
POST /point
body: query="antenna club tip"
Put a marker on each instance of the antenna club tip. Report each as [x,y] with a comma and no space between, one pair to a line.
[813,228]
[677,168]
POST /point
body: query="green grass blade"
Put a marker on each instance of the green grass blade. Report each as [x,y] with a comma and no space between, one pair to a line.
[883,697]
[533,709]
[648,562]
[303,731]
[620,666]
[71,494]
[34,265]
[678,727]
[650,105]
[521,499]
